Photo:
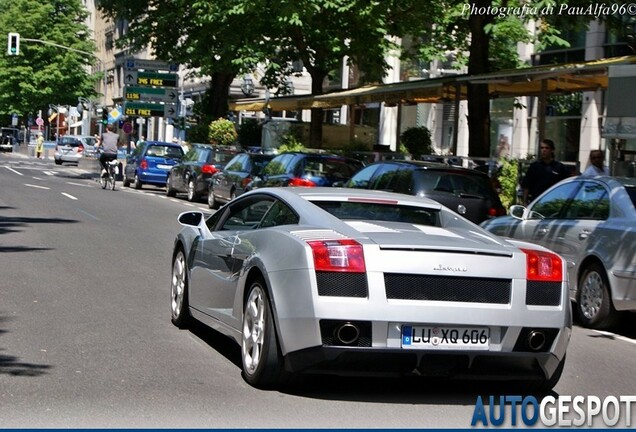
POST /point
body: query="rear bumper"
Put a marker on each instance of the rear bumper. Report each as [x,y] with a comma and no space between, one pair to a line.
[447,364]
[154,177]
[67,158]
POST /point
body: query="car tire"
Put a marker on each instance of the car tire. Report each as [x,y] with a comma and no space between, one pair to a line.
[260,353]
[138,183]
[179,291]
[192,191]
[58,162]
[169,190]
[126,181]
[212,202]
[594,300]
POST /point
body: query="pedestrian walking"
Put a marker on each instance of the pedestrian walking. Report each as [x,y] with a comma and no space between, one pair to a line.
[542,173]
[39,145]
[596,165]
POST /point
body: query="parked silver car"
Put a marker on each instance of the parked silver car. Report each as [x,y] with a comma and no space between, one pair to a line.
[71,148]
[360,281]
[591,222]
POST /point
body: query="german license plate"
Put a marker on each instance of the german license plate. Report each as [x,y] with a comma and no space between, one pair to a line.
[438,337]
[162,166]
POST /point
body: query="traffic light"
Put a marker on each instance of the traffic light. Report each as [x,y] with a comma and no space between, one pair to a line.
[104,116]
[13,44]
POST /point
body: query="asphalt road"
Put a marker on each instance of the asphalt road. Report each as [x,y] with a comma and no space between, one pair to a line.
[86,339]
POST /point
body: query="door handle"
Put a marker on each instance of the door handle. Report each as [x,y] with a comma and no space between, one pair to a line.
[543,230]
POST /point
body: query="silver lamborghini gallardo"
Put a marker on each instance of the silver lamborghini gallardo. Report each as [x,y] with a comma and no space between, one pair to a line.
[329,280]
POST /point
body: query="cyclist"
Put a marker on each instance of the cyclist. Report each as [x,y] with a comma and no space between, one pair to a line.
[109,147]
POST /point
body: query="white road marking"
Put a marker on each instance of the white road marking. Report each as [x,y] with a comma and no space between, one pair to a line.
[37,178]
[50,173]
[11,169]
[615,336]
[69,196]
[36,186]
[79,184]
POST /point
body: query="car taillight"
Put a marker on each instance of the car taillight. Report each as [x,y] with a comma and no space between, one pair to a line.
[543,266]
[208,169]
[338,255]
[246,181]
[143,164]
[496,211]
[297,181]
[80,148]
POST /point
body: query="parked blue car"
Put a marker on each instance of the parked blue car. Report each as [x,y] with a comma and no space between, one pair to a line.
[150,163]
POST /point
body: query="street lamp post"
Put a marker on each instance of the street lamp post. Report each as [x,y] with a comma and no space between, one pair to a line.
[90,105]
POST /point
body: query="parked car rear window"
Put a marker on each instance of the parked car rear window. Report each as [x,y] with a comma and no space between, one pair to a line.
[164,151]
[346,210]
[454,183]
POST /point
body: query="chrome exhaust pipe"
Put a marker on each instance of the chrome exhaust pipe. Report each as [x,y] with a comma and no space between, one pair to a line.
[536,340]
[347,333]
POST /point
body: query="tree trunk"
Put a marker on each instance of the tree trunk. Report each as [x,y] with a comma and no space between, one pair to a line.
[315,128]
[478,98]
[216,103]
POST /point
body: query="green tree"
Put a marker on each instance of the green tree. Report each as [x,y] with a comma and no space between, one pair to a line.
[44,74]
[483,35]
[222,132]
[417,141]
[224,38]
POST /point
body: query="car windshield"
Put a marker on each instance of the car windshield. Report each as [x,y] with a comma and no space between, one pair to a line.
[348,210]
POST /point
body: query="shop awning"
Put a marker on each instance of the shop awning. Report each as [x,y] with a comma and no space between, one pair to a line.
[531,81]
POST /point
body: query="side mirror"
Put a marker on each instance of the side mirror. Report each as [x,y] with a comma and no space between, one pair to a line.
[517,211]
[190,218]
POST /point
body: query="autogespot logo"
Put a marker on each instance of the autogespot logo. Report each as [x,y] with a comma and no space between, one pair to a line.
[563,411]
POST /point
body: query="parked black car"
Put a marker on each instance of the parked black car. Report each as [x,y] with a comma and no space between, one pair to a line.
[307,169]
[192,175]
[232,180]
[468,192]
[150,163]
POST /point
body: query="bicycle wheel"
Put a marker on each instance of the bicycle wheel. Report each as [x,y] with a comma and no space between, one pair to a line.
[112,181]
[103,180]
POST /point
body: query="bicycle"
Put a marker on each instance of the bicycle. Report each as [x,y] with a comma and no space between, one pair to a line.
[107,177]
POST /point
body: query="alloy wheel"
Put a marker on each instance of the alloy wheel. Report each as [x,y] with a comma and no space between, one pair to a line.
[178,285]
[253,330]
[591,297]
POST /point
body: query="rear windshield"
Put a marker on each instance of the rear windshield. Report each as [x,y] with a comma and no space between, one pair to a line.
[220,157]
[453,182]
[164,151]
[346,210]
[332,168]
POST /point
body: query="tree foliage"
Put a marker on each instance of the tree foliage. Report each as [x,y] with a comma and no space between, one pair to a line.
[417,141]
[222,132]
[45,74]
[224,38]
[483,35]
